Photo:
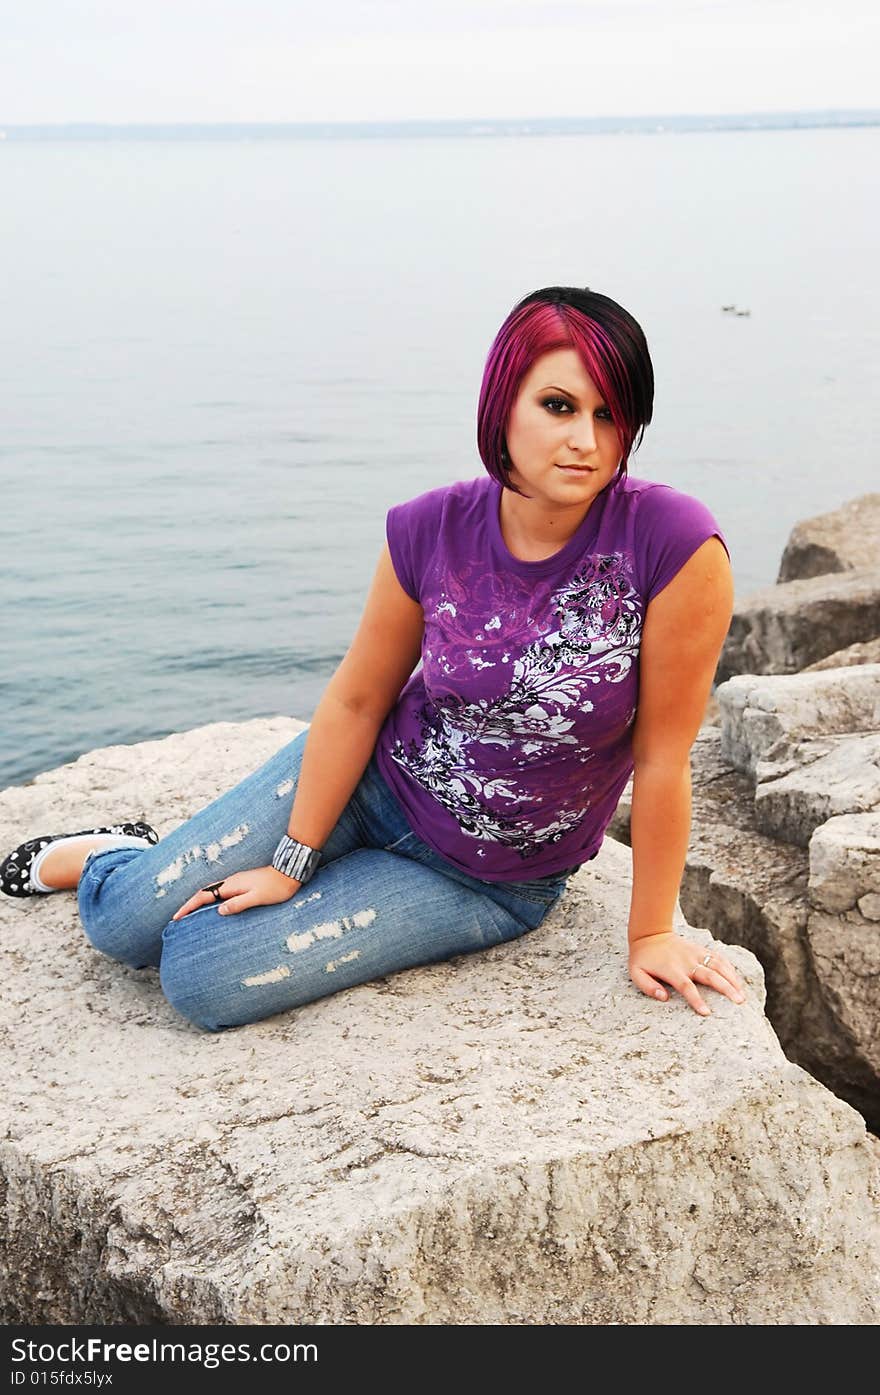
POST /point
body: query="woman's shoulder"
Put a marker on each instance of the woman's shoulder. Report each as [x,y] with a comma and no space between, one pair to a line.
[652,494]
[663,507]
[439,520]
[668,526]
[433,504]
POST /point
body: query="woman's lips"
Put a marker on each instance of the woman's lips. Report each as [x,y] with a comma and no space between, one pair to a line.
[578,469]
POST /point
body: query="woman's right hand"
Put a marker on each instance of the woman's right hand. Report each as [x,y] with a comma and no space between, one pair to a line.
[264,886]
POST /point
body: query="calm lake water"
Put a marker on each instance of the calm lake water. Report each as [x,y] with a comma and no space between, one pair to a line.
[223,361]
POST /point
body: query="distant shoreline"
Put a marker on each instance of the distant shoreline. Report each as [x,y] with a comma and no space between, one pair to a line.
[460,128]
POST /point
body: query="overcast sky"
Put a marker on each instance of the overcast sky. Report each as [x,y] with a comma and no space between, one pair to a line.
[299,60]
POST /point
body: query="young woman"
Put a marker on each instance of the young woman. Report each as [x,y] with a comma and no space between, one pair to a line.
[569,620]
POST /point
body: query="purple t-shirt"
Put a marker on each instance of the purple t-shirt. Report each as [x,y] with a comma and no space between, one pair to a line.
[510,746]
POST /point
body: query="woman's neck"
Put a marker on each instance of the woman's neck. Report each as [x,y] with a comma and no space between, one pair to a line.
[533,533]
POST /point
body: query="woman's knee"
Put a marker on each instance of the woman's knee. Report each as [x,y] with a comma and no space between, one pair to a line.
[120,941]
[119,947]
[191,978]
[112,924]
[191,1002]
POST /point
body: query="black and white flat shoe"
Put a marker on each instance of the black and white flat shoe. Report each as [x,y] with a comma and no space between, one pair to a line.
[19,872]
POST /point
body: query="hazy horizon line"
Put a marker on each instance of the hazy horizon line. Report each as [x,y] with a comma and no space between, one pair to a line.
[498,125]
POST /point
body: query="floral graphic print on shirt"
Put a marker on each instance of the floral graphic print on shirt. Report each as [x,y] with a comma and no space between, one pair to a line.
[548,700]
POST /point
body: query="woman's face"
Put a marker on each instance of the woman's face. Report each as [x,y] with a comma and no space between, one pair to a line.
[562,443]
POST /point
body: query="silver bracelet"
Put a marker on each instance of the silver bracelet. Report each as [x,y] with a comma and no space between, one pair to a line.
[295,859]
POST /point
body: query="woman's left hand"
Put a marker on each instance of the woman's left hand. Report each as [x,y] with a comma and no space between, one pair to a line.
[666,958]
[261,886]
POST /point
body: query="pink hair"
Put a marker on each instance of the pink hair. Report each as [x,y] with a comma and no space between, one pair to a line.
[611,346]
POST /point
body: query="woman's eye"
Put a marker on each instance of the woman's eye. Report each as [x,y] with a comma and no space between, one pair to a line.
[554,402]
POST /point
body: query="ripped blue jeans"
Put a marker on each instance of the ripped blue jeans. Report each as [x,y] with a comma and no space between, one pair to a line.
[381,900]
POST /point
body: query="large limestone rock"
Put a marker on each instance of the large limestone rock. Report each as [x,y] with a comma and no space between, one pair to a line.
[812,742]
[845,865]
[867,652]
[843,932]
[846,539]
[784,859]
[824,611]
[516,1136]
[815,781]
[764,717]
[784,628]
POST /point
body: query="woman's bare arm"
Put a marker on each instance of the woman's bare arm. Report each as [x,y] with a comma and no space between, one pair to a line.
[355,703]
[682,636]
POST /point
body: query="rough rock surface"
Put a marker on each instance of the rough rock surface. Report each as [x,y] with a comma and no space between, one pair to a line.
[866,653]
[808,914]
[783,628]
[814,781]
[845,865]
[515,1136]
[764,717]
[847,539]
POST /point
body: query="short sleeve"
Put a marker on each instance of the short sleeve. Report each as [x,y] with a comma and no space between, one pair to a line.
[411,530]
[670,526]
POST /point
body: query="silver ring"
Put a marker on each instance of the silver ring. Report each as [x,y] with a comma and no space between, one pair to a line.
[706,960]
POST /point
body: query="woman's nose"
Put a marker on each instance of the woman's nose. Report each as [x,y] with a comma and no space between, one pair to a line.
[583,436]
